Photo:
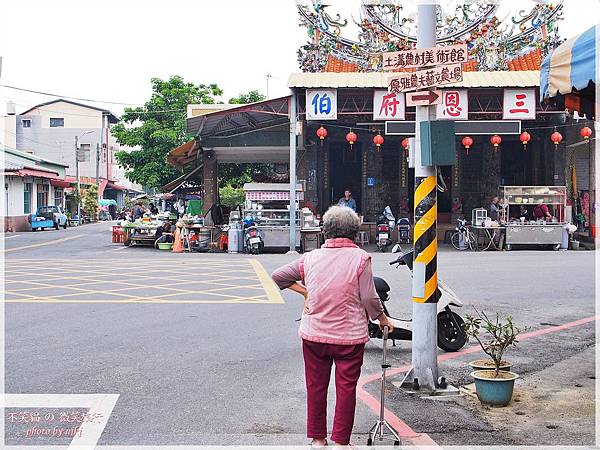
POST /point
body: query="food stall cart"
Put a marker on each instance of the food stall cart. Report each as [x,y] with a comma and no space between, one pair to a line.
[520,231]
[268,204]
[139,233]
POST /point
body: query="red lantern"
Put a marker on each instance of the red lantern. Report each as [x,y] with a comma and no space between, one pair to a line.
[556,138]
[322,133]
[378,140]
[405,143]
[351,138]
[495,140]
[467,141]
[525,138]
[585,132]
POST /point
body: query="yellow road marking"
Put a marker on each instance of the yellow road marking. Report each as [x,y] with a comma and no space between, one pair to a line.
[216,275]
[55,241]
[241,300]
[273,293]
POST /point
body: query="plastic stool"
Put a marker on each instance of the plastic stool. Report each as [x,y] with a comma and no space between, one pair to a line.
[362,238]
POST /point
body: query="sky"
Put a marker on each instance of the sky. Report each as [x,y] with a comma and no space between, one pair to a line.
[109,50]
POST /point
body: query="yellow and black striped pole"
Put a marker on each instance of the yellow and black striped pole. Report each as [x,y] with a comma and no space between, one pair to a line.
[424,288]
[425,240]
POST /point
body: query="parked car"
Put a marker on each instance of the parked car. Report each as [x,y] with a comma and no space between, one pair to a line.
[48,217]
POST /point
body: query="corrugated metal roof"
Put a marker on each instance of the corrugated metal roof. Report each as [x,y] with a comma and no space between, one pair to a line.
[524,78]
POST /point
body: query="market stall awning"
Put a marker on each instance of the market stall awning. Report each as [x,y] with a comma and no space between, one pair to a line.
[240,120]
[184,154]
[178,182]
[572,65]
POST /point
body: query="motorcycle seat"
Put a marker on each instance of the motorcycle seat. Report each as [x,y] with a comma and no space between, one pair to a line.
[381,285]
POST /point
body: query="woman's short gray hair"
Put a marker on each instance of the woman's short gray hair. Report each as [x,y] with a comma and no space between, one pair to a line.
[340,222]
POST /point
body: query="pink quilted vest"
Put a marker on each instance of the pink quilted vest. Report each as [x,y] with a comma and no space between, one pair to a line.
[330,274]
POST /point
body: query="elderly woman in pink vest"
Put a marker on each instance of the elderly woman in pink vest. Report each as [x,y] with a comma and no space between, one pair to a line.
[337,284]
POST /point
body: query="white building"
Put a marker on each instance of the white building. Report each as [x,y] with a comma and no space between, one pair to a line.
[49,130]
[28,182]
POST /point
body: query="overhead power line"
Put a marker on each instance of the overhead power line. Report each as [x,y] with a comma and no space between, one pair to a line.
[69,97]
[68,113]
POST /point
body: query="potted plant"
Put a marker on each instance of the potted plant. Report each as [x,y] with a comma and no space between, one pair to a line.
[493,386]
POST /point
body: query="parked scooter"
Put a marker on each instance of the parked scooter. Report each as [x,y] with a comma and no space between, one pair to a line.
[385,226]
[253,242]
[451,333]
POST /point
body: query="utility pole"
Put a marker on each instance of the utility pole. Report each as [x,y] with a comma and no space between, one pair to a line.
[293,122]
[424,284]
[268,76]
[78,182]
[97,163]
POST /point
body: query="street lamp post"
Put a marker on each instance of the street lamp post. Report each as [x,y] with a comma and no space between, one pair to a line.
[77,174]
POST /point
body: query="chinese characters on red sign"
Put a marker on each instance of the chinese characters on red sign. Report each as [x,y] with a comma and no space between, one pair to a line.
[519,104]
[454,105]
[388,105]
[423,79]
[422,57]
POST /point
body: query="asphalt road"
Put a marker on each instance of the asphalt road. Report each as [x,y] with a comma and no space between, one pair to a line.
[201,351]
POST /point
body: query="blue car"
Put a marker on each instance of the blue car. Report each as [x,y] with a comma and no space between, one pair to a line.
[48,217]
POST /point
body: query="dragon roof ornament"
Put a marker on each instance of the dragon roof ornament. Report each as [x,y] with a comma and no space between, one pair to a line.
[390,25]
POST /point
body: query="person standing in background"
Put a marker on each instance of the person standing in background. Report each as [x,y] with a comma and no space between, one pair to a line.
[347,200]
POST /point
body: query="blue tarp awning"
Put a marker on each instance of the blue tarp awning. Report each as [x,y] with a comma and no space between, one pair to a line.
[572,65]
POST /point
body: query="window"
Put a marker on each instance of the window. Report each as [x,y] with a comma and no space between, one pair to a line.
[58,197]
[27,198]
[42,194]
[26,123]
[57,122]
[84,152]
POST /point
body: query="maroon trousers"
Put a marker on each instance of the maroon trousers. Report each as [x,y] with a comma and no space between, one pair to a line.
[318,359]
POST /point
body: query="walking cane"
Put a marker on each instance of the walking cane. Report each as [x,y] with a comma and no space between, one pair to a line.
[380,427]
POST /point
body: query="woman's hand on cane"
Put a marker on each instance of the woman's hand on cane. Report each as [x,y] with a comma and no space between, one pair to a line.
[384,321]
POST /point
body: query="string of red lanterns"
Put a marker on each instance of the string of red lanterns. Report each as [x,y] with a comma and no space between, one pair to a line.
[556,138]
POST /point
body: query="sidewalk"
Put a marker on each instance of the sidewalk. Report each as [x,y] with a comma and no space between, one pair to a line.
[553,403]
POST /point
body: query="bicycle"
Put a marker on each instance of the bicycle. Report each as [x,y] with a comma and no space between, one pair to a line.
[463,238]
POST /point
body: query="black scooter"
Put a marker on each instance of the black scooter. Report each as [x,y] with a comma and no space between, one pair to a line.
[451,333]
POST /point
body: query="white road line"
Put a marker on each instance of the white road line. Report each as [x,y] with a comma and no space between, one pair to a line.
[10,237]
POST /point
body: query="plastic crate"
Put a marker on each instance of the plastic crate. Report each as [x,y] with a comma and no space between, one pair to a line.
[118,235]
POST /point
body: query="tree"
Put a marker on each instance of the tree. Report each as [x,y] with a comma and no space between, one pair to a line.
[90,201]
[158,127]
[250,97]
